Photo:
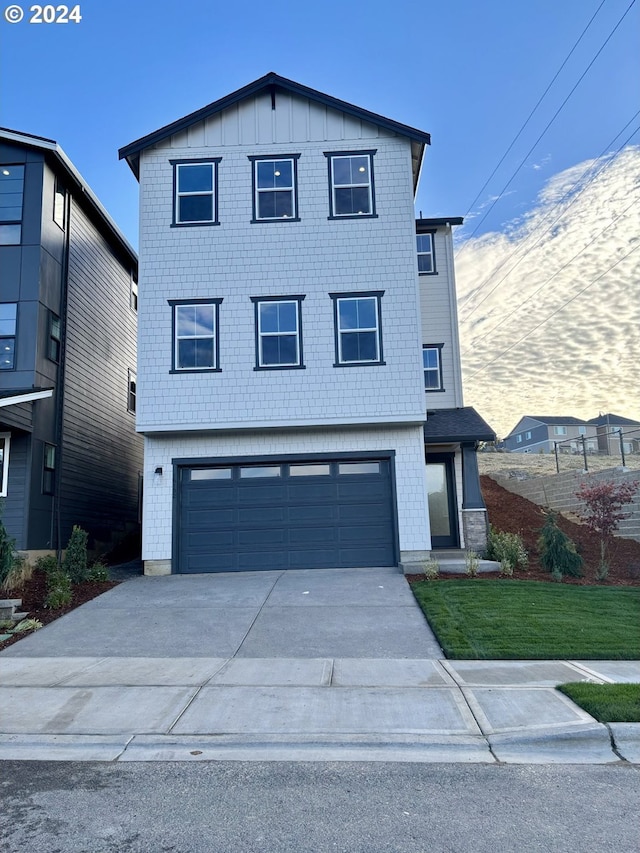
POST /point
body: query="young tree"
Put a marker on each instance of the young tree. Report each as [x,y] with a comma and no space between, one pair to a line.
[558,553]
[603,513]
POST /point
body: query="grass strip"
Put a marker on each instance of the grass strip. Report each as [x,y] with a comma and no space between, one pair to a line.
[531,620]
[608,703]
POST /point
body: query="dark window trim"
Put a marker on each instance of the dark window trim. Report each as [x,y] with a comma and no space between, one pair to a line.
[256,301]
[259,157]
[359,294]
[46,489]
[13,337]
[132,378]
[214,161]
[371,152]
[197,301]
[432,233]
[439,348]
[51,355]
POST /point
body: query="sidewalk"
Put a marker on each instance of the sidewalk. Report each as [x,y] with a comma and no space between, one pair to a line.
[295,666]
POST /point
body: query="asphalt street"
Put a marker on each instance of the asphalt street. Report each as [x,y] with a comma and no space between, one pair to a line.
[237,807]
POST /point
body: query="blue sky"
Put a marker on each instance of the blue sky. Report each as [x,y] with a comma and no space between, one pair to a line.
[469,72]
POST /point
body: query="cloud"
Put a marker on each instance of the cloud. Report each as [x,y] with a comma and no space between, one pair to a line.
[550,307]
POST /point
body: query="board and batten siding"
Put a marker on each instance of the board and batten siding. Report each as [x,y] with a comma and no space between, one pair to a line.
[238,259]
[101,452]
[13,505]
[439,322]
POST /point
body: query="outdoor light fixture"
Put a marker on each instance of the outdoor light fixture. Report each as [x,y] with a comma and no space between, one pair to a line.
[158,470]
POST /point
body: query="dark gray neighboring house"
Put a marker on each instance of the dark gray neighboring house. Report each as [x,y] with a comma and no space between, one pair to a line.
[540,434]
[69,453]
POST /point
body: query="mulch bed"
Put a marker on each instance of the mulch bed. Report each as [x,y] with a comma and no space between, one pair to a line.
[34,592]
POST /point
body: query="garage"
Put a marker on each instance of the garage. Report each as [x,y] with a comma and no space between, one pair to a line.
[294,514]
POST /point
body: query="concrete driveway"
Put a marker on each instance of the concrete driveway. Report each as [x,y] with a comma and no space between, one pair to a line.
[299,665]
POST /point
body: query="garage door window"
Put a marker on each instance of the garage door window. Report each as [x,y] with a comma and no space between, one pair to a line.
[211,474]
[309,470]
[260,471]
[359,468]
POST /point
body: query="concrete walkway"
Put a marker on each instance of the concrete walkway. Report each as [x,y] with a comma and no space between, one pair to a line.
[305,665]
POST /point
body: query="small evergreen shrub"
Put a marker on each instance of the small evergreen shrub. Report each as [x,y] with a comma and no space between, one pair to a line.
[557,551]
[98,571]
[59,591]
[75,559]
[507,546]
[48,565]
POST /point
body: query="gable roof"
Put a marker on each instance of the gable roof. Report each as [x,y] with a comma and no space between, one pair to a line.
[272,83]
[615,420]
[75,181]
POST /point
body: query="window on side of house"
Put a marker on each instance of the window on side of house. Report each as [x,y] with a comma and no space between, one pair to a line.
[133,293]
[519,439]
[559,430]
[55,338]
[527,434]
[11,195]
[195,192]
[358,329]
[48,470]
[59,206]
[426,254]
[351,184]
[278,332]
[275,188]
[5,439]
[132,391]
[195,335]
[8,322]
[432,367]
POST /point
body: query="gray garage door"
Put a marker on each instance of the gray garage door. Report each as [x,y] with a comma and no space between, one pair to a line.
[294,515]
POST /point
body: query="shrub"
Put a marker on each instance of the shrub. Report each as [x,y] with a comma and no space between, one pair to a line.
[27,625]
[75,559]
[48,565]
[98,571]
[471,562]
[431,569]
[603,513]
[506,568]
[557,551]
[59,591]
[19,573]
[503,546]
[7,553]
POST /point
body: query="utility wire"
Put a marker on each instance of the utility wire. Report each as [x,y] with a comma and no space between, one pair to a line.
[553,314]
[531,114]
[561,213]
[557,272]
[554,117]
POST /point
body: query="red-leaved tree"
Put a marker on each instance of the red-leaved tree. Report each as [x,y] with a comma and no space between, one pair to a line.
[603,513]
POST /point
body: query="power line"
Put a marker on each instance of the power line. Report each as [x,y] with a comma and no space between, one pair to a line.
[562,212]
[553,313]
[531,114]
[557,272]
[554,117]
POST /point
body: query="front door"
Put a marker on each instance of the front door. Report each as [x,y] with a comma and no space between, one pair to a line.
[443,515]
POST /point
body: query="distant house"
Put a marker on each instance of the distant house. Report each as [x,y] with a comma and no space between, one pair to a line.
[614,432]
[540,434]
[300,383]
[69,453]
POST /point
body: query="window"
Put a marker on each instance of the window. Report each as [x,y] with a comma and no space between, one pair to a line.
[132,391]
[518,439]
[313,469]
[133,293]
[11,192]
[527,434]
[195,335]
[48,469]
[54,345]
[582,430]
[59,199]
[359,468]
[432,367]
[195,192]
[8,314]
[560,430]
[278,332]
[351,188]
[275,190]
[261,471]
[426,255]
[357,328]
[4,463]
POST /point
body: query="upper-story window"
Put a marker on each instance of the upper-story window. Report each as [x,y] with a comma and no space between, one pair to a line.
[59,204]
[8,316]
[351,186]
[432,367]
[195,192]
[196,343]
[527,434]
[275,188]
[5,438]
[357,328]
[55,338]
[426,254]
[559,430]
[48,470]
[519,439]
[132,391]
[11,193]
[278,332]
[133,293]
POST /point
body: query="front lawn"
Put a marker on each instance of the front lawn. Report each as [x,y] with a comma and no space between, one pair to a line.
[503,619]
[608,703]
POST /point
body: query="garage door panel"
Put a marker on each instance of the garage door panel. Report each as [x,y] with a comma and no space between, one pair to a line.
[340,518]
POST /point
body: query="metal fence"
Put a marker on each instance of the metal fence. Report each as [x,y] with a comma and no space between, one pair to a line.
[577,448]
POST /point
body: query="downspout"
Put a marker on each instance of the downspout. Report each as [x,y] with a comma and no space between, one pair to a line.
[56,521]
